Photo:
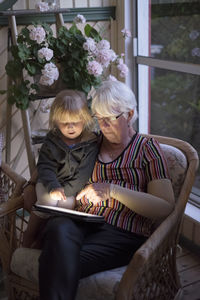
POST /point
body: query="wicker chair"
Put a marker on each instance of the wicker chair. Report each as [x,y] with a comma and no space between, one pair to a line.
[151,274]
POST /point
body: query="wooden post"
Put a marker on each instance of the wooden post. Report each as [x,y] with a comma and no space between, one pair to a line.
[13,30]
[27,137]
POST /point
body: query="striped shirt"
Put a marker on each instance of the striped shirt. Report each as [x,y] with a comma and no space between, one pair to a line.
[141,162]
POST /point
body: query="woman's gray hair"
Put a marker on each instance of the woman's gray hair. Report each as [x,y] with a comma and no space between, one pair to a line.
[113,98]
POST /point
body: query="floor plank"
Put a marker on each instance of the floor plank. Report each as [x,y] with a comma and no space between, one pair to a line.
[189,276]
[190,292]
[187,261]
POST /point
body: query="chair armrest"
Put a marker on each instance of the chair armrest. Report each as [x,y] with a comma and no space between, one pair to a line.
[11,205]
[146,266]
[17,180]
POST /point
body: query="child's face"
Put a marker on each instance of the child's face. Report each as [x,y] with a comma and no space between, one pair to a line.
[71,130]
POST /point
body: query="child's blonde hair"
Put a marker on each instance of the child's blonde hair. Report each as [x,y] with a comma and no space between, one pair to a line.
[70,105]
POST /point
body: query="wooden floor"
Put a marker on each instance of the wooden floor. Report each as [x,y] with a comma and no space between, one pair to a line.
[188,265]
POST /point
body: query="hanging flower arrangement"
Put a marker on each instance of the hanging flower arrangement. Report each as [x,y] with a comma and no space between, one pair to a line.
[72,60]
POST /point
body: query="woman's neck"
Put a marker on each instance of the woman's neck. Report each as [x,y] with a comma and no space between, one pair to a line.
[111,150]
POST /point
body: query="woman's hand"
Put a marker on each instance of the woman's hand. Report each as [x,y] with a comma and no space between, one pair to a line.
[95,192]
[58,194]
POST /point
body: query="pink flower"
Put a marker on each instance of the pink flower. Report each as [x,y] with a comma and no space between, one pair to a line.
[37,34]
[94,68]
[123,69]
[42,6]
[105,56]
[79,19]
[126,33]
[49,74]
[103,44]
[89,45]
[45,53]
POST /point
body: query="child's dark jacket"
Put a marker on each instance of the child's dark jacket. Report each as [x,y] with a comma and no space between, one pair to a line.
[68,167]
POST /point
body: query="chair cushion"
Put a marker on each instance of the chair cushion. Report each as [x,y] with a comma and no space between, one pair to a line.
[24,263]
[177,164]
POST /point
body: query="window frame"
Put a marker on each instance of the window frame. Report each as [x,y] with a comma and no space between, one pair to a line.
[141,71]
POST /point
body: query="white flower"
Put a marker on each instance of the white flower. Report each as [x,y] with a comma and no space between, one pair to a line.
[105,56]
[50,74]
[42,6]
[37,34]
[126,33]
[94,68]
[45,53]
[111,78]
[123,70]
[79,19]
[89,45]
[103,44]
[119,61]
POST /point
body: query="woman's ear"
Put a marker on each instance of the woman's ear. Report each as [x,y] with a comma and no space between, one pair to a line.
[130,114]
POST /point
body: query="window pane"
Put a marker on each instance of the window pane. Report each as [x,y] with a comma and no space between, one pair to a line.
[173,30]
[175,107]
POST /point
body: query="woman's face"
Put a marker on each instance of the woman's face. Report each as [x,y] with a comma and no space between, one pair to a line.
[114,129]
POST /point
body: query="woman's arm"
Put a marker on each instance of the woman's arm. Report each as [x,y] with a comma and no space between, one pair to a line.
[156,204]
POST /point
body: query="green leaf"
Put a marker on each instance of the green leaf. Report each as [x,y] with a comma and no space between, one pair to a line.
[91,32]
[23,52]
[74,30]
[31,69]
[14,51]
[14,68]
[22,102]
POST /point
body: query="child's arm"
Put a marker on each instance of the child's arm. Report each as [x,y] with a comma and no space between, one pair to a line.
[34,228]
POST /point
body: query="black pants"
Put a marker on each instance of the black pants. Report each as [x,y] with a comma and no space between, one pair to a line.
[73,250]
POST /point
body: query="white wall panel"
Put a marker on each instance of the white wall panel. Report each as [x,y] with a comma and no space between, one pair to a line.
[95,3]
[21,4]
[66,3]
[81,3]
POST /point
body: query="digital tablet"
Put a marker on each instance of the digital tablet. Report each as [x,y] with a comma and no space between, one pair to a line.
[73,214]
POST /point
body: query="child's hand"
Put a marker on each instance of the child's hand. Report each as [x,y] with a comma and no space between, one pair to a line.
[58,194]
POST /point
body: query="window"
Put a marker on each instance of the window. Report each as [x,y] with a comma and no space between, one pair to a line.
[168,61]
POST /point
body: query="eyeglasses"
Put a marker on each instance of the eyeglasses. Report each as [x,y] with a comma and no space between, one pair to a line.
[107,119]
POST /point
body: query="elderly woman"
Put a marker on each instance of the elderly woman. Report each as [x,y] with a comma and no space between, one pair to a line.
[130,187]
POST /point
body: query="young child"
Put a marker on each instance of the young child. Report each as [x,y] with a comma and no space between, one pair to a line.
[66,158]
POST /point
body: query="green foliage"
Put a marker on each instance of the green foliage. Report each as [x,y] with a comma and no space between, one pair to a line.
[175,98]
